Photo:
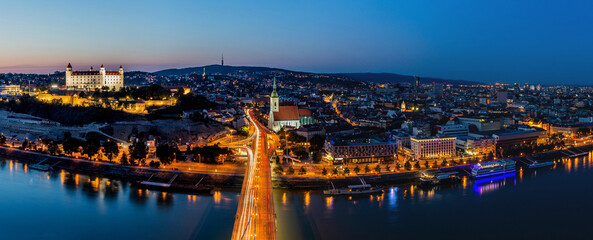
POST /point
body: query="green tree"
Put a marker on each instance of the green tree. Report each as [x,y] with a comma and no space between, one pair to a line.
[166,153]
[300,152]
[335,171]
[293,137]
[243,131]
[25,145]
[302,170]
[91,147]
[154,164]
[323,171]
[290,170]
[444,163]
[110,149]
[124,159]
[138,152]
[378,168]
[408,165]
[209,154]
[317,142]
[346,170]
[356,169]
[2,140]
[417,165]
[387,168]
[367,169]
[53,148]
[426,164]
[70,144]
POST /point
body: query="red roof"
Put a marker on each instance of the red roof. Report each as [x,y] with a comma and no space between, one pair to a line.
[305,112]
[286,113]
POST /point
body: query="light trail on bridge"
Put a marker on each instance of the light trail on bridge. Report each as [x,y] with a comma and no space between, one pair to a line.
[255,218]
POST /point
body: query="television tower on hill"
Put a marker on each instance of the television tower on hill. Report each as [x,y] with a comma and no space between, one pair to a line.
[222,60]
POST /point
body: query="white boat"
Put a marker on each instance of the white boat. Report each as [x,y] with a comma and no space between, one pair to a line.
[536,164]
[439,178]
[493,168]
[362,188]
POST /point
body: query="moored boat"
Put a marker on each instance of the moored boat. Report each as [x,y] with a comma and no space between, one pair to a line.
[439,179]
[362,188]
[493,168]
[537,164]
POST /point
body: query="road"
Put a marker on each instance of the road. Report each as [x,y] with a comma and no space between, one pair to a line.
[255,218]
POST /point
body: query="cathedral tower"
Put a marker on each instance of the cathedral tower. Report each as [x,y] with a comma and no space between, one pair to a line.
[274,105]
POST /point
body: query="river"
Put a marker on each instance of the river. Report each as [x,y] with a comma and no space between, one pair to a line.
[547,203]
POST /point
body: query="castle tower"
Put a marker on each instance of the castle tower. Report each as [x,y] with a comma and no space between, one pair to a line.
[69,75]
[274,105]
[103,80]
[121,75]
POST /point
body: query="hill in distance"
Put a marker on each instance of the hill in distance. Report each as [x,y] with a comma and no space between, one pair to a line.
[364,77]
[394,78]
[216,69]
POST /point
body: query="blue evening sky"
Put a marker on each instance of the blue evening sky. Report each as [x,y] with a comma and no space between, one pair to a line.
[536,41]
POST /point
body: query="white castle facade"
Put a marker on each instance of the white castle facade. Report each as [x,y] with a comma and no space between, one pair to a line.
[90,80]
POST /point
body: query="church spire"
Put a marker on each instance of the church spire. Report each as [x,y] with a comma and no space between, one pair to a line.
[274,93]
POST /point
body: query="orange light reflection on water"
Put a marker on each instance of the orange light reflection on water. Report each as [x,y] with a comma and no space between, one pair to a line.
[329,201]
[217,197]
[62,177]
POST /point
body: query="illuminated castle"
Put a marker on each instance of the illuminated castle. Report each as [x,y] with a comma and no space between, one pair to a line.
[90,80]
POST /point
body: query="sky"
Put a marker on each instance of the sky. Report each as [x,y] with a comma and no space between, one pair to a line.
[540,41]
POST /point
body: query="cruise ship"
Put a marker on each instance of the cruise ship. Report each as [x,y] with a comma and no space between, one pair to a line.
[493,168]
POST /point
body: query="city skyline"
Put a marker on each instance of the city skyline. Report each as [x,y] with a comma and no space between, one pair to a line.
[505,42]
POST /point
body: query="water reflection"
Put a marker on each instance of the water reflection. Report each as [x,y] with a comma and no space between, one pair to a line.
[493,183]
[139,196]
[392,197]
[329,202]
[100,188]
[165,199]
[72,199]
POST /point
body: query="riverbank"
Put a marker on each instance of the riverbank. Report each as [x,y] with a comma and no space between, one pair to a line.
[307,182]
[222,180]
[118,171]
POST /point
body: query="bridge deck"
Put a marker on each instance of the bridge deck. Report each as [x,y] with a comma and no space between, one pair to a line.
[255,217]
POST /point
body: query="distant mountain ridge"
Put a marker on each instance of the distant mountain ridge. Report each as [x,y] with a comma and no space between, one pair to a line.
[398,78]
[392,78]
[216,69]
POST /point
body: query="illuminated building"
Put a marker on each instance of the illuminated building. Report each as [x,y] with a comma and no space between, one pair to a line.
[434,147]
[286,116]
[359,149]
[90,80]
[452,130]
[10,89]
[476,145]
